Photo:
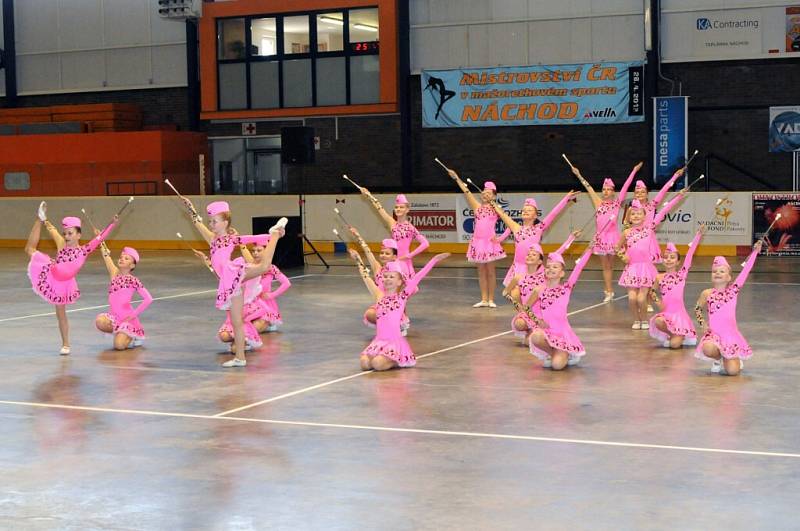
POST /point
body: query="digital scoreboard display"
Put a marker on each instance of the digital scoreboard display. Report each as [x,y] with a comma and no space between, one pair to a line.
[364,47]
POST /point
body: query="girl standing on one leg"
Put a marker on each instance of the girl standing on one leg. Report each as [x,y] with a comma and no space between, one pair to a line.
[403,232]
[635,250]
[672,326]
[553,341]
[530,232]
[722,343]
[484,247]
[122,320]
[232,274]
[607,209]
[390,349]
[53,279]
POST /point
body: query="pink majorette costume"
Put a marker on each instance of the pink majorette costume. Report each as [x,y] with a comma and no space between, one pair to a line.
[54,279]
[650,208]
[231,272]
[389,342]
[723,331]
[527,235]
[674,313]
[530,282]
[251,311]
[273,313]
[553,303]
[405,322]
[404,233]
[640,272]
[607,235]
[122,316]
[481,248]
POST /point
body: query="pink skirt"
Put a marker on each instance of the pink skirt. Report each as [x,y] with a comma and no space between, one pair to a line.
[564,339]
[46,285]
[639,275]
[230,285]
[678,323]
[528,321]
[483,251]
[272,313]
[511,272]
[732,346]
[397,350]
[606,244]
[131,328]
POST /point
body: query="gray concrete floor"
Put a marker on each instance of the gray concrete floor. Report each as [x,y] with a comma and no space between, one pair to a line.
[477,436]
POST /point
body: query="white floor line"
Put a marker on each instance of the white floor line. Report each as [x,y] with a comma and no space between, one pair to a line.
[501,436]
[356,375]
[167,297]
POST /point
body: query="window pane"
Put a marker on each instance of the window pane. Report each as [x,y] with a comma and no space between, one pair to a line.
[264,37]
[364,25]
[230,38]
[232,86]
[295,35]
[364,79]
[297,83]
[330,32]
[331,87]
[264,85]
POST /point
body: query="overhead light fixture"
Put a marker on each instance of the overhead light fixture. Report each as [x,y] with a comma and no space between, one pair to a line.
[331,20]
[365,27]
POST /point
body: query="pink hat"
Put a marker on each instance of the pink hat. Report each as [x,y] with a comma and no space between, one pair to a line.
[636,204]
[401,199]
[130,251]
[71,221]
[671,248]
[489,185]
[556,257]
[531,202]
[395,267]
[608,183]
[538,248]
[217,207]
[640,184]
[720,261]
[389,244]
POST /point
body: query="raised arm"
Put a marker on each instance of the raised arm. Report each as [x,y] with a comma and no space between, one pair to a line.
[668,206]
[55,235]
[748,265]
[365,276]
[687,262]
[592,194]
[284,281]
[385,216]
[147,299]
[197,221]
[511,225]
[626,186]
[423,244]
[568,242]
[551,217]
[664,189]
[373,262]
[100,238]
[471,201]
[110,266]
[579,265]
[414,281]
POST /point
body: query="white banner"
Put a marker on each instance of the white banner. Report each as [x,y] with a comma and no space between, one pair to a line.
[726,215]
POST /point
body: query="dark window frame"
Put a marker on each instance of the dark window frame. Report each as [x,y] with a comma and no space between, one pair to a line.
[281,55]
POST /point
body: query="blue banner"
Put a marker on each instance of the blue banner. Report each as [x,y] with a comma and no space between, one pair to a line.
[670,115]
[784,129]
[590,93]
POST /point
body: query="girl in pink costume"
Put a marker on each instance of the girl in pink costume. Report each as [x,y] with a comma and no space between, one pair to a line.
[271,319]
[529,232]
[672,326]
[553,341]
[390,349]
[53,279]
[641,193]
[403,232]
[722,343]
[634,248]
[388,253]
[122,320]
[607,207]
[484,247]
[233,274]
[521,287]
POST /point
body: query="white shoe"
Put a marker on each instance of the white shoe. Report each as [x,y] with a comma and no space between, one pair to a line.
[609,296]
[645,325]
[548,363]
[235,362]
[250,344]
[573,360]
[279,226]
[666,344]
[42,211]
[135,343]
[492,304]
[650,308]
[404,332]
[637,325]
[716,366]
[65,351]
[272,328]
[482,304]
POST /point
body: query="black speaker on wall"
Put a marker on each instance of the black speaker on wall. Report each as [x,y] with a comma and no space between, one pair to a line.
[297,145]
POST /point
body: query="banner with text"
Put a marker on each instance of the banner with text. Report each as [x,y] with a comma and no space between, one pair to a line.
[784,238]
[588,93]
[784,129]
[670,136]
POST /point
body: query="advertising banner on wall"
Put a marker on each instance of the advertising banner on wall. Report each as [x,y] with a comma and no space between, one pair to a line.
[727,215]
[590,93]
[784,129]
[670,136]
[784,238]
[793,29]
